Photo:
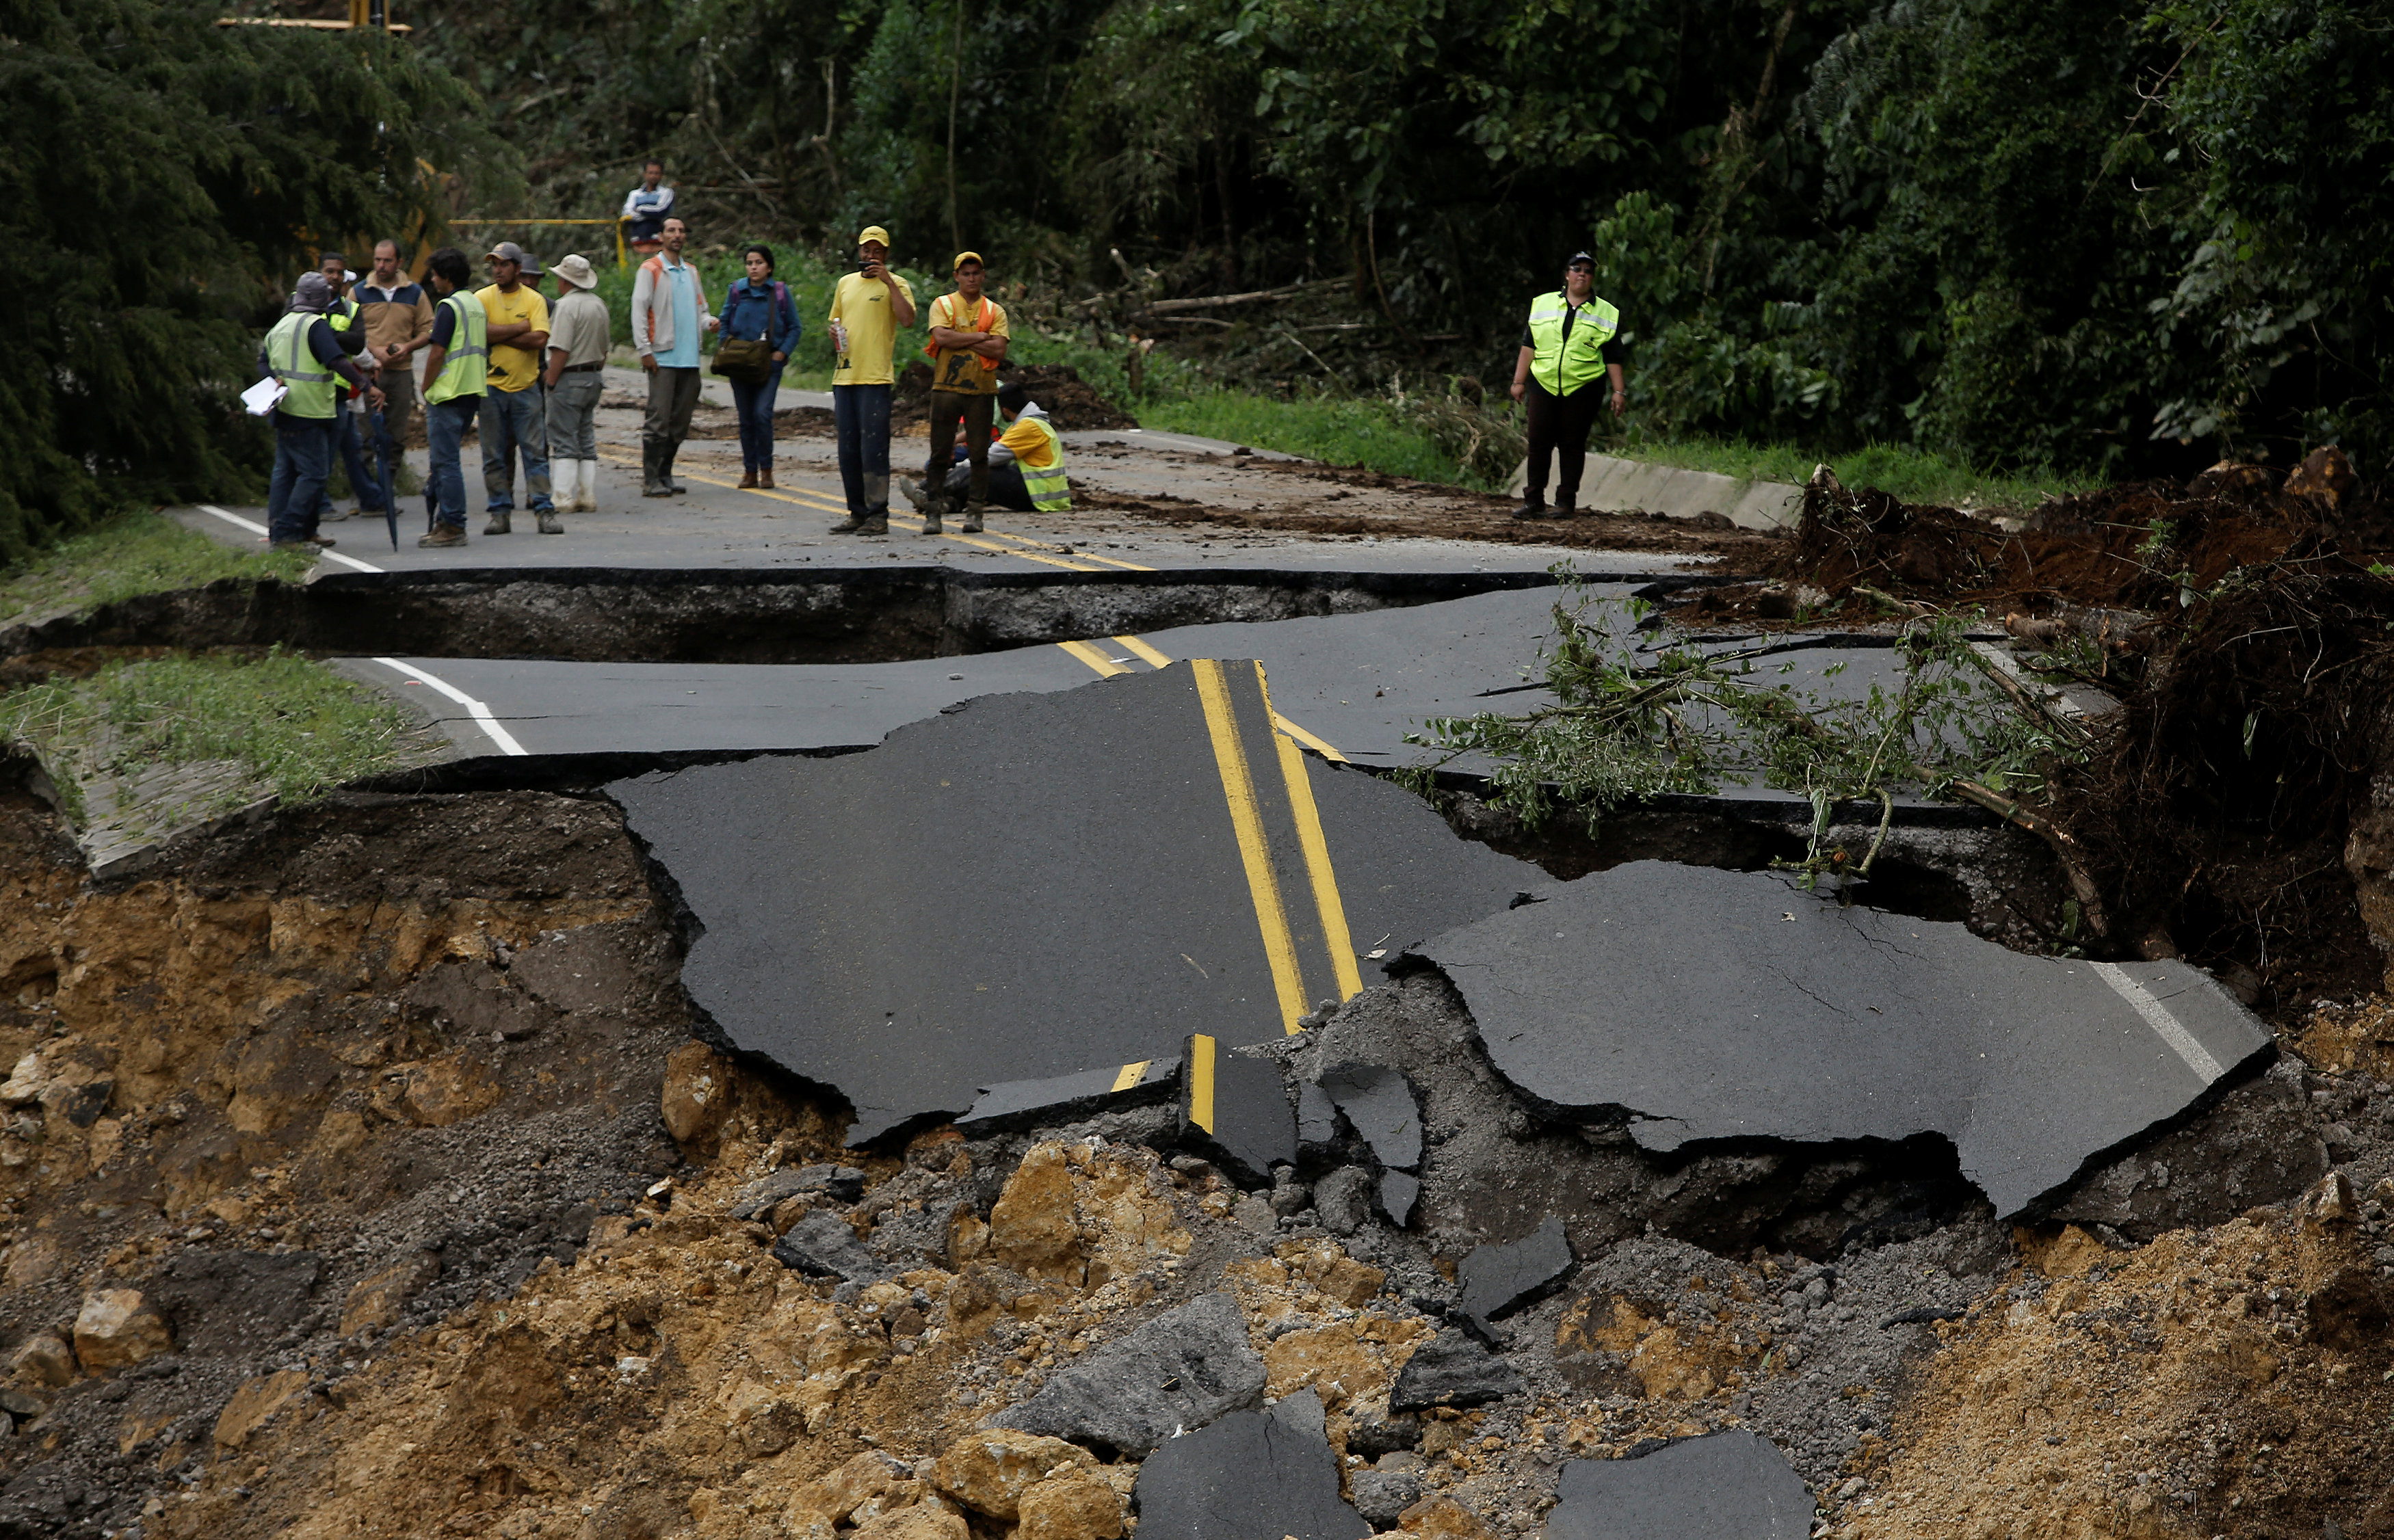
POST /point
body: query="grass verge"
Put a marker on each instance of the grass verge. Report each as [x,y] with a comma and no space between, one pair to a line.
[1913,474]
[138,553]
[292,726]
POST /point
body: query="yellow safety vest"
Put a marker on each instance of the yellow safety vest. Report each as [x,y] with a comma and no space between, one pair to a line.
[1563,365]
[465,369]
[307,385]
[342,314]
[1049,491]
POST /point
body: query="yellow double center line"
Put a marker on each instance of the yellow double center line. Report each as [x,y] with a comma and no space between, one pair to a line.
[1003,544]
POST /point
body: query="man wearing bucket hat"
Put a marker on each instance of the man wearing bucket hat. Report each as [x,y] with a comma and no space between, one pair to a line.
[515,418]
[867,310]
[579,337]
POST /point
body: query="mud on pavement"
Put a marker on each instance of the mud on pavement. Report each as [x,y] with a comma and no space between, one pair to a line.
[364,1176]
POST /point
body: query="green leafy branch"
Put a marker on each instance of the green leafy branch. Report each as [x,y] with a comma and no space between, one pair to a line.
[1619,727]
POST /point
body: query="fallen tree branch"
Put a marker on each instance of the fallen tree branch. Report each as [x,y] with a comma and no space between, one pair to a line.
[1218,302]
[2065,849]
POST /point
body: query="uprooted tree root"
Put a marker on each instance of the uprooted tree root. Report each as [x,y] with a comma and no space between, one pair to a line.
[2218,806]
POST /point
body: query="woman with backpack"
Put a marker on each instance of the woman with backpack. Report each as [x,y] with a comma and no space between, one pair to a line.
[760,331]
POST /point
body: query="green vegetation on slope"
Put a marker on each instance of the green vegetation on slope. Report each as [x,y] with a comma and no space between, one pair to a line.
[294,727]
[134,553]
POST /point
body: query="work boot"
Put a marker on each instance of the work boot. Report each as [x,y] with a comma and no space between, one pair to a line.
[911,490]
[499,522]
[1566,507]
[748,479]
[585,490]
[678,487]
[442,534]
[765,478]
[339,514]
[653,473]
[551,524]
[877,524]
[973,512]
[1533,505]
[323,543]
[931,524]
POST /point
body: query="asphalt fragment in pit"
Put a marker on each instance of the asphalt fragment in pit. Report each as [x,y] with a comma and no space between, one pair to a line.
[1730,1485]
[1801,1019]
[861,921]
[1268,1475]
[1379,1105]
[1498,1280]
[1176,1373]
[1235,1108]
[1454,1371]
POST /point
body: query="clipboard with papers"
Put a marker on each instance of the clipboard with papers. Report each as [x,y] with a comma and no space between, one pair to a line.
[262,398]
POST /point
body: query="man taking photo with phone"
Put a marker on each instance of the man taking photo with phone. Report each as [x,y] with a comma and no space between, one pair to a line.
[867,310]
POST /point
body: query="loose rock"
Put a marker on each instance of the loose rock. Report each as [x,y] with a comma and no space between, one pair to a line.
[1179,1371]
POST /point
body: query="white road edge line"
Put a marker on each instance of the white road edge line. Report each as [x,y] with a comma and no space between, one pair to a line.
[2157,1017]
[480,713]
[260,529]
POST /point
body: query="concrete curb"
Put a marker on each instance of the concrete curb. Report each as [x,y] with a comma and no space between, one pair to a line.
[1611,485]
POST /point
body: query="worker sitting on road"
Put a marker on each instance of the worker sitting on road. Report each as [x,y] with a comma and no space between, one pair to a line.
[1026,467]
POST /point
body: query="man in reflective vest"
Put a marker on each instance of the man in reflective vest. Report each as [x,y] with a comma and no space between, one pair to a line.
[1565,348]
[969,342]
[1026,467]
[305,354]
[456,374]
[342,316]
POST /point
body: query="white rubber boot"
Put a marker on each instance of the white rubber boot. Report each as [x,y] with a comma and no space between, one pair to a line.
[586,492]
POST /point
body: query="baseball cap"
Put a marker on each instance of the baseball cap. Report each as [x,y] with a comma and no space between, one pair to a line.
[505,251]
[964,256]
[1580,258]
[870,233]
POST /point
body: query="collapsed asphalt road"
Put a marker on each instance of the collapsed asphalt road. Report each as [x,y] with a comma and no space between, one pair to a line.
[1037,885]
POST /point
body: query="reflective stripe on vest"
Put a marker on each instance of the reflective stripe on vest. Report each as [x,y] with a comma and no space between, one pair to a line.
[1049,491]
[466,368]
[307,386]
[1562,365]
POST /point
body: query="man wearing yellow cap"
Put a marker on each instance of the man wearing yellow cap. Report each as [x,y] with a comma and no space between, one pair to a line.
[968,344]
[867,309]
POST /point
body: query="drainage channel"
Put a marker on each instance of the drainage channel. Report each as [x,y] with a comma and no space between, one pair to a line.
[856,615]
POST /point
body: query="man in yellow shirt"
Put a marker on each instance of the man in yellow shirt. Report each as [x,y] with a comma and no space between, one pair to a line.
[867,310]
[515,413]
[969,341]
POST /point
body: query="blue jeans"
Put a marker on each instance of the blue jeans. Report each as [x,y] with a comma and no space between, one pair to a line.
[518,421]
[444,432]
[302,459]
[363,485]
[860,414]
[754,404]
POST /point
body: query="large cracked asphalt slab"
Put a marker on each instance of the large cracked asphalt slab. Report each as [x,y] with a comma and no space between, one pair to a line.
[1035,886]
[1702,1006]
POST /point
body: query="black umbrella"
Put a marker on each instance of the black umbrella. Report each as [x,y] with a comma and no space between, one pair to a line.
[384,449]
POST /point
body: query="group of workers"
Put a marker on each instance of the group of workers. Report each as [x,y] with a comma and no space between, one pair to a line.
[529,378]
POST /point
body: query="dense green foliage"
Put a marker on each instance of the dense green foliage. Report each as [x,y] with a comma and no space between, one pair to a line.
[2117,236]
[165,181]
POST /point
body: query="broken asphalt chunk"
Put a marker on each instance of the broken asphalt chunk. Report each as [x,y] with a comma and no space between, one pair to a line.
[1236,1106]
[1398,1193]
[1730,1485]
[1794,1018]
[1180,1371]
[1252,1476]
[1027,1103]
[1379,1103]
[1317,1115]
[841,1183]
[823,1246]
[1453,1370]
[1498,1280]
